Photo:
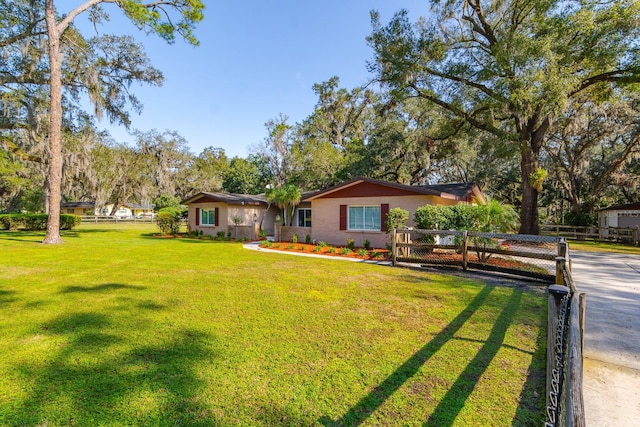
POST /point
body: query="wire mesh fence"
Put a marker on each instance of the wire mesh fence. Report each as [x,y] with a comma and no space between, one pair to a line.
[527,255]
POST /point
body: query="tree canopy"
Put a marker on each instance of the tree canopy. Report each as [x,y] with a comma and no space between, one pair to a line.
[509,68]
[536,102]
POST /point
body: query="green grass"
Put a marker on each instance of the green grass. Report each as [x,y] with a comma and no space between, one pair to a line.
[116,327]
[591,246]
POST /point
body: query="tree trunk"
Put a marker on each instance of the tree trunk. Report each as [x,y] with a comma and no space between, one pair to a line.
[55,128]
[529,209]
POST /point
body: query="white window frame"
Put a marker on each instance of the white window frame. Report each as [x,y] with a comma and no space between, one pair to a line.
[211,215]
[364,216]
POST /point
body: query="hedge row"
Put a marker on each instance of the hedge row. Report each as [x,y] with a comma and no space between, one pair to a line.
[27,221]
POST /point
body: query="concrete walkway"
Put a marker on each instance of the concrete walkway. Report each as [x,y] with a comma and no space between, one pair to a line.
[612,336]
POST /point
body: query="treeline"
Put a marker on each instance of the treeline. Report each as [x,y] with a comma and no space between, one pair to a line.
[525,100]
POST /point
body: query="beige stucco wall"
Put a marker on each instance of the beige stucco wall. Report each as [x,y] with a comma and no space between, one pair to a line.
[225,222]
[326,217]
[285,234]
[227,212]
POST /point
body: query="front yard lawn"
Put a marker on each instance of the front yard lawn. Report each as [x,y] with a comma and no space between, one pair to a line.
[591,246]
[116,327]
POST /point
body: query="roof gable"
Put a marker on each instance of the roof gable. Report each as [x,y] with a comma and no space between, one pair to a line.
[229,198]
[365,189]
[368,187]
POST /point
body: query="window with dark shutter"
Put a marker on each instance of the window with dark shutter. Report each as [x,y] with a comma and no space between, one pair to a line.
[197,216]
[217,216]
[343,217]
[384,211]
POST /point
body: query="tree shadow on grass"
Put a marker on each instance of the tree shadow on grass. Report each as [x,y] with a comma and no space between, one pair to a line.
[79,232]
[37,236]
[530,411]
[454,400]
[101,377]
[157,237]
[23,236]
[6,296]
[99,288]
[368,405]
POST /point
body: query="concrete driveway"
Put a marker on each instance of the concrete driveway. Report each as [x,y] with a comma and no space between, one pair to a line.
[612,336]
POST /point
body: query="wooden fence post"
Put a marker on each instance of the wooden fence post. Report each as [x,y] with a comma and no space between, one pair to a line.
[573,397]
[465,249]
[406,250]
[394,246]
[561,262]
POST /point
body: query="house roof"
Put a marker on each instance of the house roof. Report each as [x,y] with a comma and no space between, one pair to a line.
[459,191]
[232,199]
[455,191]
[85,205]
[625,207]
[463,190]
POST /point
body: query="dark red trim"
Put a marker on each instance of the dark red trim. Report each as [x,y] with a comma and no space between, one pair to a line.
[384,211]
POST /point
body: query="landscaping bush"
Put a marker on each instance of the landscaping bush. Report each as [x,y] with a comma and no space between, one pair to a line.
[11,222]
[397,218]
[307,239]
[489,217]
[366,244]
[32,222]
[351,244]
[431,217]
[169,220]
[35,221]
[69,222]
[579,219]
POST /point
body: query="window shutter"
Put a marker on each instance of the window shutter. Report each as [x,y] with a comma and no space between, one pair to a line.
[384,211]
[217,214]
[343,217]
[197,216]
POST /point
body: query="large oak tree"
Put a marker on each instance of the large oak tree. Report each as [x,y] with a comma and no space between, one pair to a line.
[164,17]
[509,68]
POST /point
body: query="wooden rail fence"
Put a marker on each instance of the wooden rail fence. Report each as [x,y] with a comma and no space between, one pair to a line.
[523,255]
[599,234]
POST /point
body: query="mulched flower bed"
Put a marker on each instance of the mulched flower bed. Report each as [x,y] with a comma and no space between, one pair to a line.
[377,254]
[452,258]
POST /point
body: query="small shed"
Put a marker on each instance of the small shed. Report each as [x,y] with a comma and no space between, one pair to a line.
[620,216]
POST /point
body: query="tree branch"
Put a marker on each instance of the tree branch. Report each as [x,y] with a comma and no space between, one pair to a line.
[610,76]
[460,113]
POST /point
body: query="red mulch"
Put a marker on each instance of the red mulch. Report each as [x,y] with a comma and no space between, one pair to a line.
[311,249]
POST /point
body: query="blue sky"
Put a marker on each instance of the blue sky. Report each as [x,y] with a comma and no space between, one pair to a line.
[256,59]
